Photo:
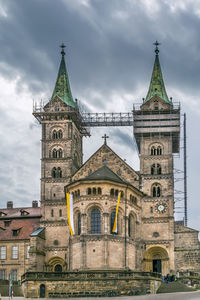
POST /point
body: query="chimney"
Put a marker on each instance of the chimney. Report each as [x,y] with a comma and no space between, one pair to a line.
[9,204]
[35,203]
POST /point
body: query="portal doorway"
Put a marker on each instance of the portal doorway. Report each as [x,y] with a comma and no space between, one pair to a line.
[157,266]
[156,259]
[58,269]
[42,291]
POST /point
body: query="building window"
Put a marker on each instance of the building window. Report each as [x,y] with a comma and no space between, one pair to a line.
[14,275]
[3,274]
[116,192]
[99,191]
[15,252]
[156,150]
[54,153]
[156,169]
[3,252]
[112,221]
[55,242]
[7,223]
[27,251]
[60,134]
[60,212]
[56,172]
[112,192]
[54,136]
[89,191]
[156,190]
[52,213]
[95,221]
[15,232]
[79,223]
[94,191]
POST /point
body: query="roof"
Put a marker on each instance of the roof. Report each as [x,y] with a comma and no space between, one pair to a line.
[104,173]
[9,213]
[157,86]
[62,87]
[37,231]
[25,227]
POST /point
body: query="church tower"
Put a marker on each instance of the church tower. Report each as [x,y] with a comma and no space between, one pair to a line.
[156,130]
[61,157]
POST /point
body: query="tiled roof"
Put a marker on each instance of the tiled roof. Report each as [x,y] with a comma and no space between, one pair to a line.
[25,226]
[16,212]
[104,173]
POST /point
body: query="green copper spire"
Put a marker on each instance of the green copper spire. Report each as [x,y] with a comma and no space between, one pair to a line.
[62,87]
[157,86]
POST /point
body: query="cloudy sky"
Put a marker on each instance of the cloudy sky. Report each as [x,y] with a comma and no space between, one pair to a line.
[110,59]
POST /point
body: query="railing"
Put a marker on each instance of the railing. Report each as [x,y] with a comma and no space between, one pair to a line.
[87,275]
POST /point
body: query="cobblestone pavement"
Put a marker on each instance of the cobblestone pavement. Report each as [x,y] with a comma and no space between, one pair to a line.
[171,296]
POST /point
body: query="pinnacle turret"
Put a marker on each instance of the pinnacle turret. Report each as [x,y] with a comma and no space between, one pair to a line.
[62,87]
[157,86]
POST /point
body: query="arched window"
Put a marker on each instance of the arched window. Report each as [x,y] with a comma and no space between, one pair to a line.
[159,170]
[94,191]
[112,220]
[78,193]
[99,191]
[95,221]
[60,134]
[153,169]
[153,150]
[54,153]
[60,212]
[79,223]
[156,190]
[59,153]
[116,192]
[53,173]
[59,172]
[112,192]
[159,150]
[52,213]
[54,136]
[156,150]
[122,194]
[89,191]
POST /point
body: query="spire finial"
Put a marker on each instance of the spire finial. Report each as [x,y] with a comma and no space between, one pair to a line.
[62,46]
[105,137]
[156,44]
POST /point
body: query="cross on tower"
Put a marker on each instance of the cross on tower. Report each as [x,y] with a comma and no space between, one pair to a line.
[105,137]
[62,46]
[156,44]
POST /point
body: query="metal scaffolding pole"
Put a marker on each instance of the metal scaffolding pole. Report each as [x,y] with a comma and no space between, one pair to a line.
[185,173]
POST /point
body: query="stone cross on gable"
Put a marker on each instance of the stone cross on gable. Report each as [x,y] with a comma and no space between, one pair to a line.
[105,137]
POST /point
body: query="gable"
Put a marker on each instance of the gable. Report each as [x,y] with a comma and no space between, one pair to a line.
[154,102]
[106,156]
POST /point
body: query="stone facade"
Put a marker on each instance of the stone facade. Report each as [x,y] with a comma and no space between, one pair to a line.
[147,240]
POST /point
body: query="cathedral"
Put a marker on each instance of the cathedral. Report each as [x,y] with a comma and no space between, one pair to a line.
[36,242]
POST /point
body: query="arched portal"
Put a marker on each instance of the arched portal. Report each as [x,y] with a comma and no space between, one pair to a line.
[156,259]
[56,264]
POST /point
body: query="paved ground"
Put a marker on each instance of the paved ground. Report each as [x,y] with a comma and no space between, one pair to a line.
[172,296]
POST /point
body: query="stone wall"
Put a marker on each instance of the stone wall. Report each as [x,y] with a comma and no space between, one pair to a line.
[90,283]
[187,248]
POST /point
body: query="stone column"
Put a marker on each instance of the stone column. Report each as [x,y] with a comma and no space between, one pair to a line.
[84,224]
[106,223]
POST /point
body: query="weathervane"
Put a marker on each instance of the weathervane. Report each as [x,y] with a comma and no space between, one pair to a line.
[105,137]
[156,44]
[62,46]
